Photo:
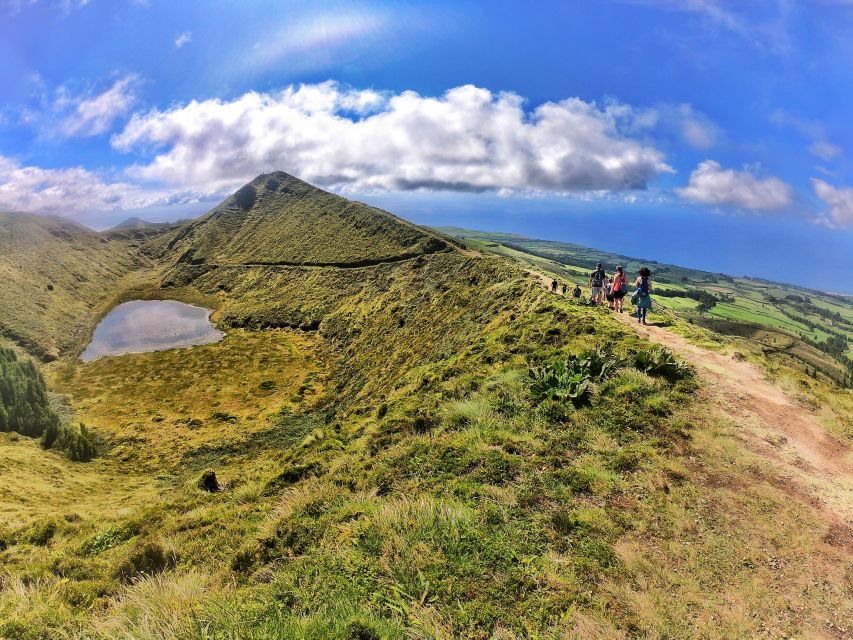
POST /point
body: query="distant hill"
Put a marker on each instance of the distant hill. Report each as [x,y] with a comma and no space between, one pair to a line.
[279,219]
[139,223]
[54,273]
[813,327]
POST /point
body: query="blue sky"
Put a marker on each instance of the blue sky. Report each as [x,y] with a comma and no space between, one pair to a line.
[714,134]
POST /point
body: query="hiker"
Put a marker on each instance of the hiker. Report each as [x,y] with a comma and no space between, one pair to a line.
[642,296]
[608,292]
[596,283]
[565,287]
[620,288]
[553,286]
[577,291]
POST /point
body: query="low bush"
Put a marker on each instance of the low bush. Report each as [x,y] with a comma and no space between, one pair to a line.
[78,443]
[571,379]
[660,361]
[148,557]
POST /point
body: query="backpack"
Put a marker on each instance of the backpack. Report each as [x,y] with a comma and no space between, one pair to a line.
[597,278]
[643,289]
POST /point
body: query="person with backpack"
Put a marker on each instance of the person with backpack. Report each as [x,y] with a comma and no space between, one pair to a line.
[620,288]
[576,292]
[642,297]
[565,288]
[553,286]
[596,283]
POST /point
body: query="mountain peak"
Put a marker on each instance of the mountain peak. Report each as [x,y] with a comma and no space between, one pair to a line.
[279,219]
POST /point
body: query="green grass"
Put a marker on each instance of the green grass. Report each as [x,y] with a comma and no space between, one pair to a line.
[387,471]
[757,303]
[57,276]
[280,219]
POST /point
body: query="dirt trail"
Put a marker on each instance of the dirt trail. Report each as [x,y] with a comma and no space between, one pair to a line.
[812,462]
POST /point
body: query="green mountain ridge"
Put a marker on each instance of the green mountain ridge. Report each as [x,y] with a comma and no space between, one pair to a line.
[812,327]
[402,435]
[55,274]
[279,219]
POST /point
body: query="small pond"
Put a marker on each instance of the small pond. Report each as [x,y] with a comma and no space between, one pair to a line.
[151,325]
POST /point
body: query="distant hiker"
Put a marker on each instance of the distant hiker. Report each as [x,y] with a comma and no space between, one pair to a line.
[642,296]
[577,291]
[596,283]
[620,288]
[553,286]
[608,292]
[565,287]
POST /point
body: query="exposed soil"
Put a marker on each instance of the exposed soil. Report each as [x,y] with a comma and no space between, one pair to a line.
[810,460]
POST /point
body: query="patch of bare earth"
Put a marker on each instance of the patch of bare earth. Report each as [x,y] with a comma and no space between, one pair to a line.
[812,464]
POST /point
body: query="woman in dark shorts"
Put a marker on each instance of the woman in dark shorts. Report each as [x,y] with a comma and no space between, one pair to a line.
[643,294]
[620,288]
[608,292]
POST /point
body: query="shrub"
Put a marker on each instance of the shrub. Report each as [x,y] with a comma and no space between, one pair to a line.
[208,482]
[78,443]
[359,630]
[571,379]
[148,557]
[106,539]
[24,405]
[41,533]
[660,361]
[559,381]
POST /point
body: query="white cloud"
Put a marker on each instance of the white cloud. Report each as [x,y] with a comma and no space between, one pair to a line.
[840,203]
[185,38]
[74,190]
[710,183]
[825,150]
[468,139]
[95,115]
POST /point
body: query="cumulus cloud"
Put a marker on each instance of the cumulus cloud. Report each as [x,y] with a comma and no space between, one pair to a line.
[74,190]
[91,116]
[840,203]
[468,139]
[710,183]
[185,38]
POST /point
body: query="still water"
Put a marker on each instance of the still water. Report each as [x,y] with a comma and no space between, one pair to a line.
[151,325]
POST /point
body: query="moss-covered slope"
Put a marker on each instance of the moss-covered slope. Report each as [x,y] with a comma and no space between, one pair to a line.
[55,274]
[279,219]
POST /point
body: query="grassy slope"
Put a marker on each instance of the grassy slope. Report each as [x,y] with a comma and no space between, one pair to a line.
[411,488]
[752,311]
[280,219]
[56,275]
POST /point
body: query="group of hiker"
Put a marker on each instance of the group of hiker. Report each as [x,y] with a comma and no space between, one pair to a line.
[613,289]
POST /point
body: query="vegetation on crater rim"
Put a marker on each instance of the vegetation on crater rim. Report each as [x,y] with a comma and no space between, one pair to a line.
[428,446]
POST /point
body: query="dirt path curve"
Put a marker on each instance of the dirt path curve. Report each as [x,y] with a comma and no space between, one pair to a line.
[812,462]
